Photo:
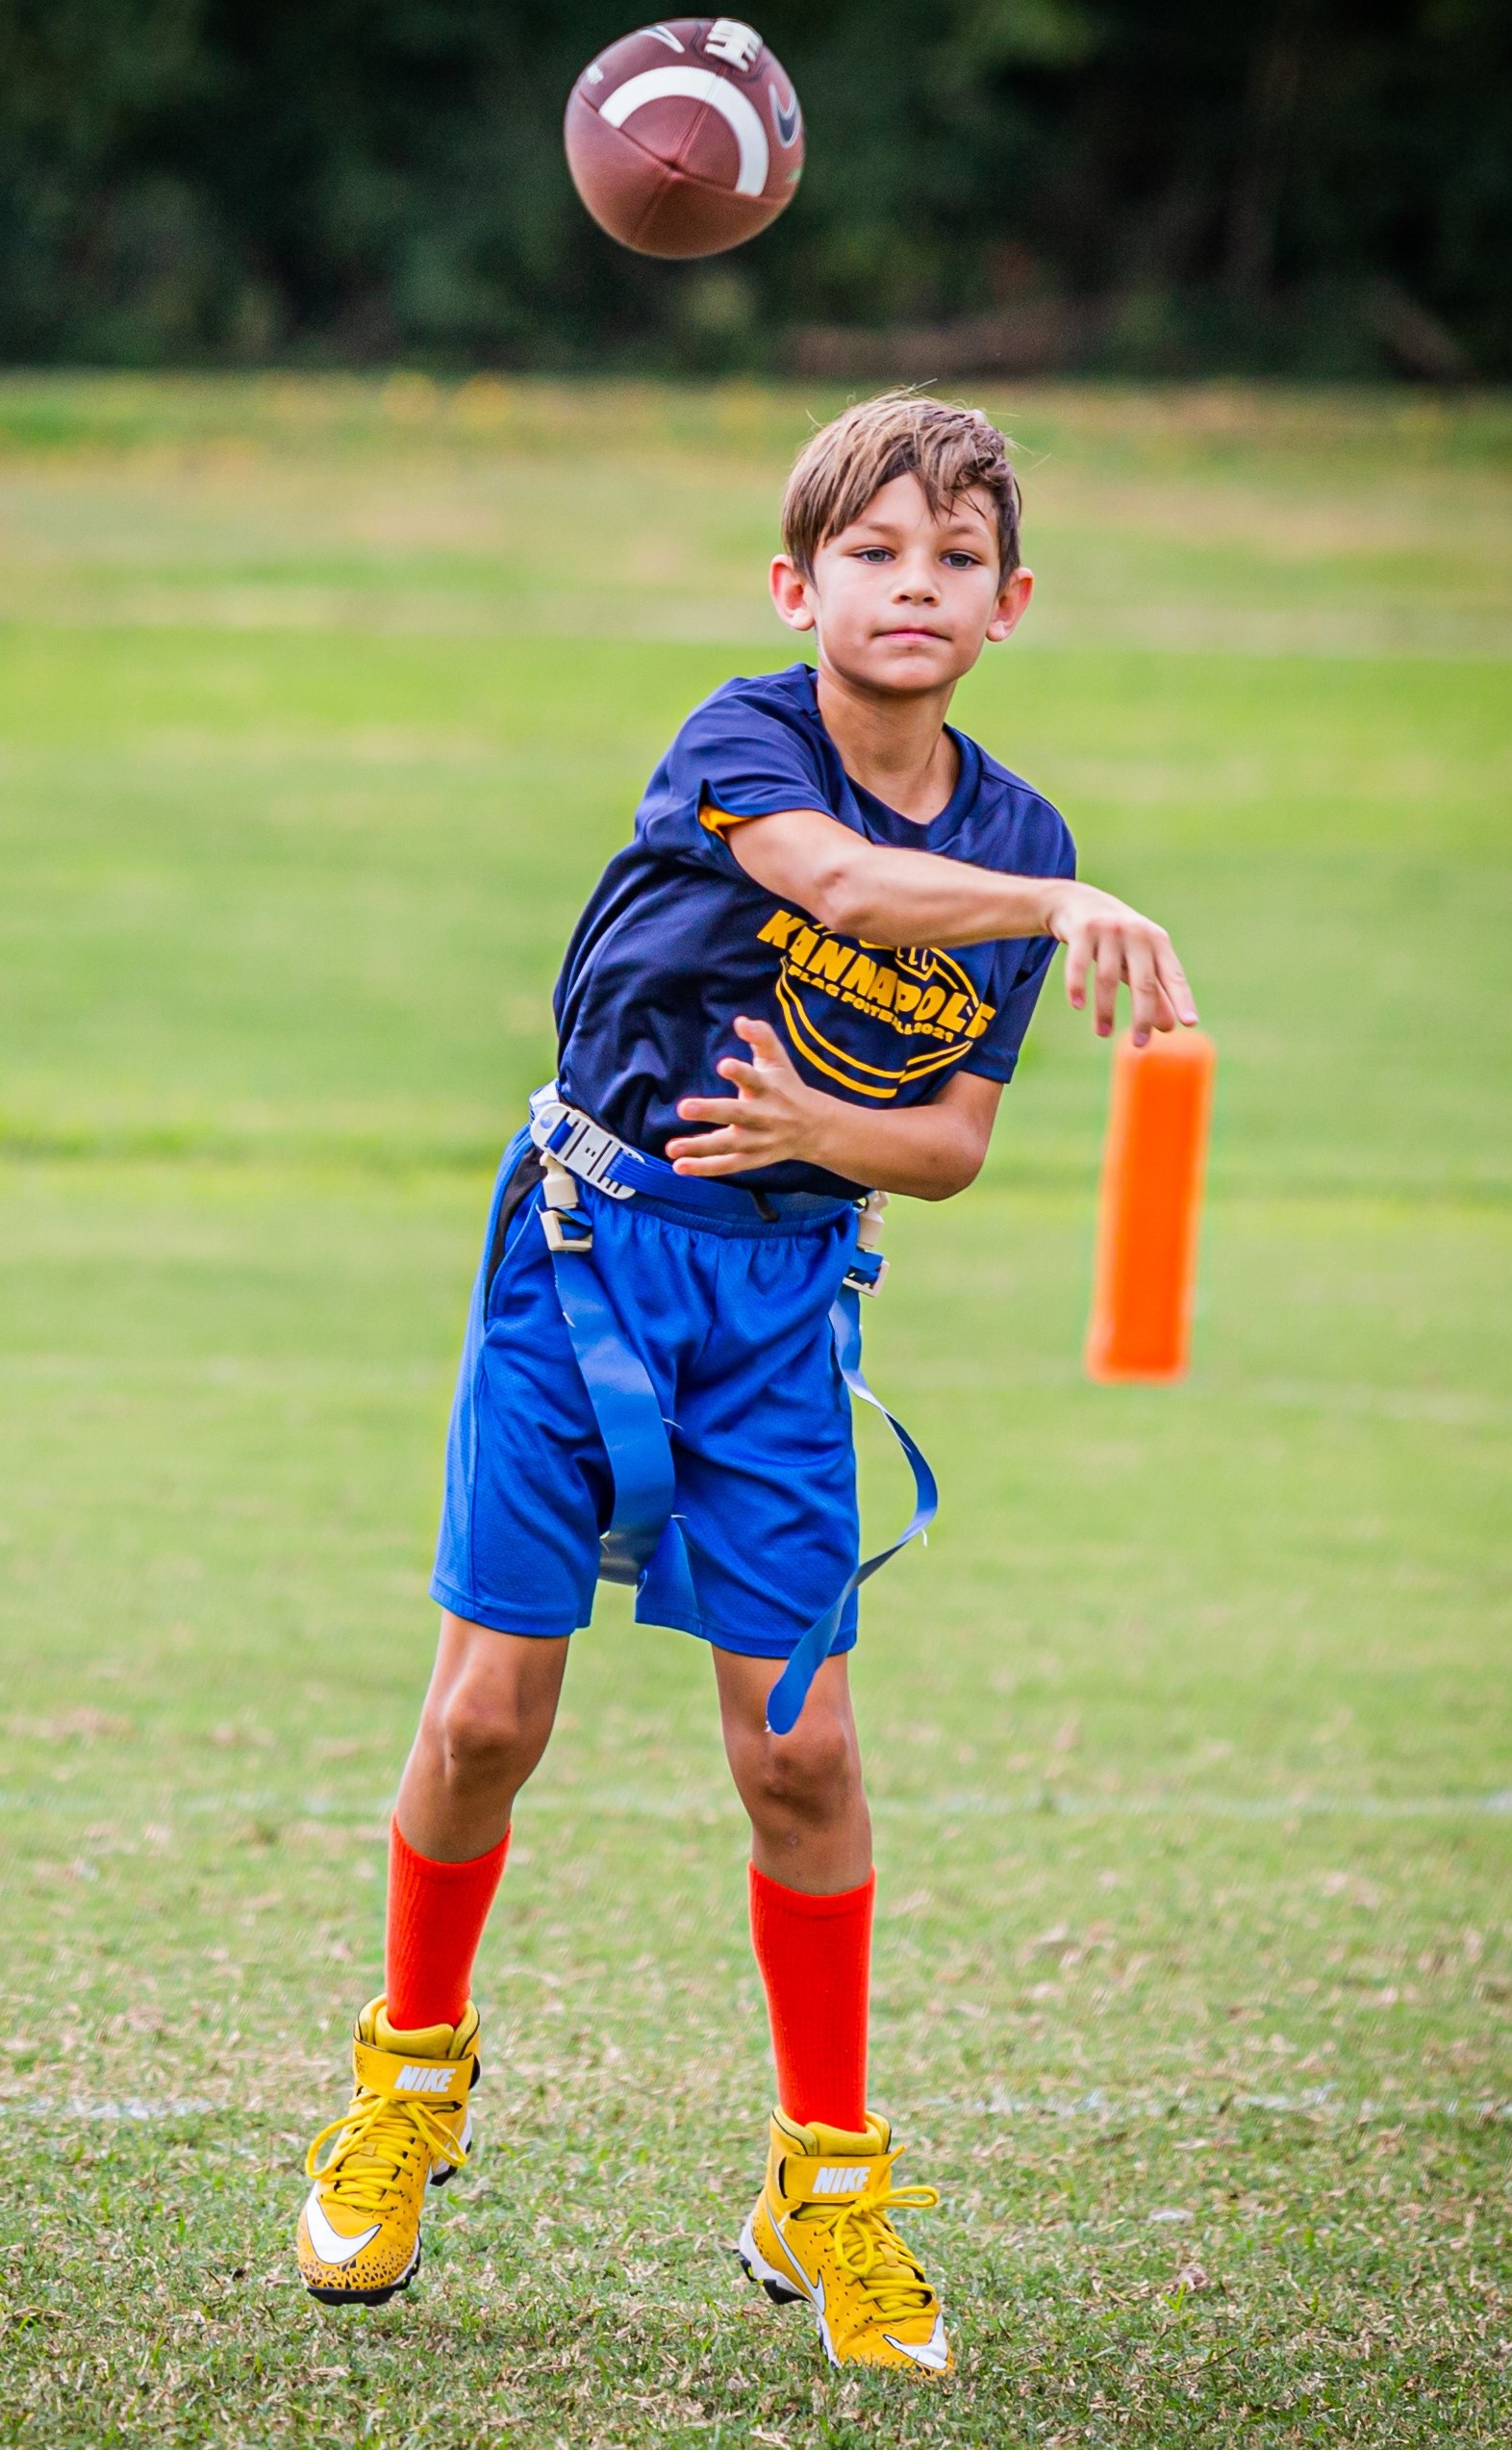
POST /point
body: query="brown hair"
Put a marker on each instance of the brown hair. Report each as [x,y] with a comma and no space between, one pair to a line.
[845,465]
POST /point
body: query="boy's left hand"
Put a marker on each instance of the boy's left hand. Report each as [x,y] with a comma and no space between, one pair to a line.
[767,1121]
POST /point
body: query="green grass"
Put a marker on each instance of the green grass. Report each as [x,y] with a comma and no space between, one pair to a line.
[1188,1738]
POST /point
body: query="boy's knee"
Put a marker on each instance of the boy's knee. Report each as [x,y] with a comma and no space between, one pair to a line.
[812,1773]
[487,1733]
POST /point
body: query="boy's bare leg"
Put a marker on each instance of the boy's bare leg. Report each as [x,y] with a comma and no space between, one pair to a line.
[810,1827]
[486,1723]
[811,1896]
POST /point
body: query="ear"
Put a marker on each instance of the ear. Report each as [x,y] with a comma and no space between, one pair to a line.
[1013,602]
[792,593]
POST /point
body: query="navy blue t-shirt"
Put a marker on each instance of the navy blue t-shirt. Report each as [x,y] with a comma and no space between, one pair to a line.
[677,940]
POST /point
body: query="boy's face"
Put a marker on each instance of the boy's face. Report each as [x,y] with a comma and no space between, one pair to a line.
[903,601]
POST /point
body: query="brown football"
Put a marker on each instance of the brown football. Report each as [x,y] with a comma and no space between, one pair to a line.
[686,138]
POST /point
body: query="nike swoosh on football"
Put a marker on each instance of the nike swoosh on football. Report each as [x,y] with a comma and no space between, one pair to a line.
[786,118]
[328,2243]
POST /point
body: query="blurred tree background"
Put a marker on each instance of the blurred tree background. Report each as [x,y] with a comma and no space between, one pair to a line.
[1153,187]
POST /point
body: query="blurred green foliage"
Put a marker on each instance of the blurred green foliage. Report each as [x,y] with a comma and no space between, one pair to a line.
[1321,186]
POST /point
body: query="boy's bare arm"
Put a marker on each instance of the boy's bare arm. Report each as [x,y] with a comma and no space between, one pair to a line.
[929,1151]
[886,896]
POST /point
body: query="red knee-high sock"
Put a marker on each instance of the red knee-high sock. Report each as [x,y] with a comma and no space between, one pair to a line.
[436,1917]
[815,1955]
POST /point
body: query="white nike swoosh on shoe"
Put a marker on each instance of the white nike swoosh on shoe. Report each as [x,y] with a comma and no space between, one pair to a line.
[933,2352]
[800,2278]
[816,2301]
[328,2242]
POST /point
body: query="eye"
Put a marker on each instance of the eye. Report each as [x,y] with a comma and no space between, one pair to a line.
[875,554]
[961,560]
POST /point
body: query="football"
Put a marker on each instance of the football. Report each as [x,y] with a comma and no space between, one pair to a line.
[685,138]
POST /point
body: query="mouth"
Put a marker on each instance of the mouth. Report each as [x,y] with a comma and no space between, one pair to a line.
[913,634]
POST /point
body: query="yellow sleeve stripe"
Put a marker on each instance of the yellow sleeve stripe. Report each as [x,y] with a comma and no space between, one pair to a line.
[713,819]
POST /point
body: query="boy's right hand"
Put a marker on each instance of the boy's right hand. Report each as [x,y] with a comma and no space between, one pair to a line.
[1103,934]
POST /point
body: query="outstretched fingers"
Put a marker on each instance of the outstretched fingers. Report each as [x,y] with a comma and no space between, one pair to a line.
[1109,955]
[766,1122]
[714,1158]
[707,1109]
[1158,986]
[762,1039]
[1149,1009]
[1126,950]
[684,1155]
[725,1148]
[1173,983]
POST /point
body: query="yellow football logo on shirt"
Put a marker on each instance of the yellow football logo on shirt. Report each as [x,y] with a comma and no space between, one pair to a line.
[926,999]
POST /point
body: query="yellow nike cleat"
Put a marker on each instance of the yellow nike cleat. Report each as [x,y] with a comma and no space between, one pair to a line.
[409,2127]
[822,2230]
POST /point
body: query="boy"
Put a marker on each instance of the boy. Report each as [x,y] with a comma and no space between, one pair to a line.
[652,1385]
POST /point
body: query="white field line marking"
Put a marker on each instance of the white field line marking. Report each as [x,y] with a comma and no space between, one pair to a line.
[635,1802]
[630,1803]
[1316,2101]
[216,1370]
[132,2113]
[1443,1407]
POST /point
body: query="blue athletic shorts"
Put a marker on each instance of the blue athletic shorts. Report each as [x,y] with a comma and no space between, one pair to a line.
[731,1318]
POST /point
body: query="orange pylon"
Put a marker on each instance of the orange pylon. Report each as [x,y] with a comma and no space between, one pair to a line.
[1151,1204]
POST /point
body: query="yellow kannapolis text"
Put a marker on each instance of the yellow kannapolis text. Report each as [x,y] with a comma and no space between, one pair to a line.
[915,991]
[927,994]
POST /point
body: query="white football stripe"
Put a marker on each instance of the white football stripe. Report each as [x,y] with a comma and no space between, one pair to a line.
[700,85]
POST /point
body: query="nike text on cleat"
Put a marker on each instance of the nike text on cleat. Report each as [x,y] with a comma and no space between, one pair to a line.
[408,2126]
[841,2181]
[422,2080]
[823,2230]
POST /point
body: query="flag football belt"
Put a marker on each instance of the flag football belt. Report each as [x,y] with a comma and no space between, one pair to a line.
[644,1544]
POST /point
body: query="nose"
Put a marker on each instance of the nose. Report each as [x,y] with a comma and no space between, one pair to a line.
[916,582]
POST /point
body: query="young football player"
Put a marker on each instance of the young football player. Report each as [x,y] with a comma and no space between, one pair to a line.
[805,981]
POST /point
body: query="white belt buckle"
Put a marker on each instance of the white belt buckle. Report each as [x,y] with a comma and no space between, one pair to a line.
[580,1238]
[558,1191]
[588,1150]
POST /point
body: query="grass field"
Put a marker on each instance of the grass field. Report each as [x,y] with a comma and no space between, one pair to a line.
[319,707]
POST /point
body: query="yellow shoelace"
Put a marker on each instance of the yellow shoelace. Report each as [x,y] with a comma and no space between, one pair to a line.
[373,2143]
[871,2249]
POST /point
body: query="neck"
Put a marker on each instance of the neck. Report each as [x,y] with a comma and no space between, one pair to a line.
[894,746]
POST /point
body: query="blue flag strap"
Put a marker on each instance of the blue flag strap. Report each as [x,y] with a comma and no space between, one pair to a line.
[787,1695]
[628,1414]
[645,1536]
[644,1544]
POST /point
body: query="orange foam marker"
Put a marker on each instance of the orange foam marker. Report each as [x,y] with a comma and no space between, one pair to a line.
[1151,1204]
